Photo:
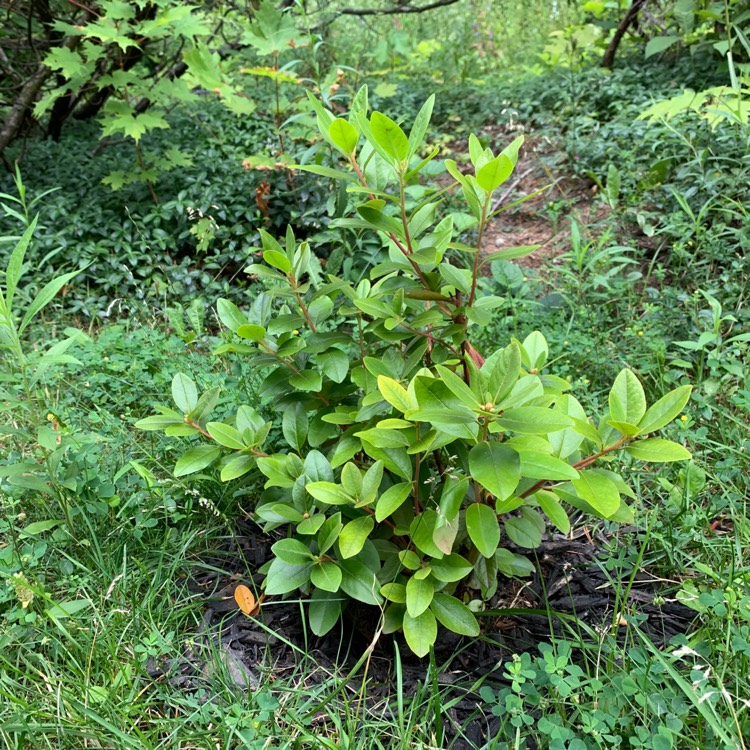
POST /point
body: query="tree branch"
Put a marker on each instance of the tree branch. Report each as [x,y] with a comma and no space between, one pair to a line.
[22,105]
[398,9]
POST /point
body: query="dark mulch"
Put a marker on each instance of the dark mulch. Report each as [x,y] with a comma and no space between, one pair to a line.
[570,580]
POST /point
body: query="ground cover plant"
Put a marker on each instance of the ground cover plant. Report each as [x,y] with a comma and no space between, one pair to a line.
[167,590]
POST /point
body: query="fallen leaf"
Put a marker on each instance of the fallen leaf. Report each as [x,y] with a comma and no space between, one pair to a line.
[245,599]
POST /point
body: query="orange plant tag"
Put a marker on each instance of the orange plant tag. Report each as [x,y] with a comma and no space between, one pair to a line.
[245,599]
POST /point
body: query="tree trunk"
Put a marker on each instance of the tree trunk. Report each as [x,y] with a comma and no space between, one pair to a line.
[22,105]
[609,56]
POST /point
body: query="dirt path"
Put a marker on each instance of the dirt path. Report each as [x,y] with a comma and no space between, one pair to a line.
[544,219]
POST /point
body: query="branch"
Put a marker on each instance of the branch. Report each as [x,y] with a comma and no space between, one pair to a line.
[395,10]
[22,105]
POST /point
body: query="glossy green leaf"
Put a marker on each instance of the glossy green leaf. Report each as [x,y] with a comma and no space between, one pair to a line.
[420,632]
[495,173]
[195,459]
[523,532]
[658,450]
[483,528]
[451,568]
[292,551]
[343,135]
[391,500]
[549,502]
[389,136]
[354,535]
[225,435]
[306,380]
[329,493]
[184,392]
[538,465]
[359,582]
[419,593]
[663,411]
[496,467]
[454,615]
[598,491]
[324,611]
[251,332]
[283,578]
[395,394]
[533,420]
[294,425]
[326,576]
[627,401]
[237,466]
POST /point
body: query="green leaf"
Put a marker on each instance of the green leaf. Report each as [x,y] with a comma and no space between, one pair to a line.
[292,552]
[329,493]
[45,296]
[389,136]
[667,408]
[496,467]
[325,610]
[359,582]
[225,435]
[277,260]
[495,173]
[230,315]
[658,450]
[294,425]
[419,593]
[195,459]
[391,500]
[14,268]
[451,568]
[252,332]
[237,466]
[454,615]
[420,632]
[343,135]
[282,578]
[395,394]
[184,393]
[627,401]
[598,491]
[460,278]
[394,592]
[452,496]
[306,380]
[335,364]
[354,535]
[40,526]
[158,422]
[206,404]
[523,532]
[319,169]
[483,528]
[329,533]
[326,576]
[351,479]
[421,123]
[457,386]
[67,609]
[538,465]
[533,420]
[549,502]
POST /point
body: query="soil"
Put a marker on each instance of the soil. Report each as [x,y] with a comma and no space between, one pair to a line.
[570,579]
[541,174]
